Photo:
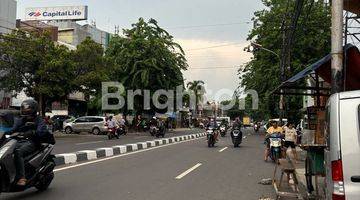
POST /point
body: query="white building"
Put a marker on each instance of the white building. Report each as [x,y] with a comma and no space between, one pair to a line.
[7,24]
[7,15]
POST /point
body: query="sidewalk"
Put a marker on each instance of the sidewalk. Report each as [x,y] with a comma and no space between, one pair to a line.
[300,173]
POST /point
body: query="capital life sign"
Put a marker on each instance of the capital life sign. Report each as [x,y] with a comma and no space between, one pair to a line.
[57,13]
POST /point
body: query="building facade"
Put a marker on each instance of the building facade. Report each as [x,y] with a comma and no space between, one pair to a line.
[7,24]
[7,16]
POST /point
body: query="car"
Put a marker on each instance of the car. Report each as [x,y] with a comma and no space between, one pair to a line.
[342,153]
[58,121]
[92,124]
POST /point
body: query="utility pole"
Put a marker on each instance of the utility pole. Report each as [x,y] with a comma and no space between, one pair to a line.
[336,45]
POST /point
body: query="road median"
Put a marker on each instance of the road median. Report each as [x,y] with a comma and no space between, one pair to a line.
[87,155]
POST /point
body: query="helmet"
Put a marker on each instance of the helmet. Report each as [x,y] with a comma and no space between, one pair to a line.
[154,117]
[29,108]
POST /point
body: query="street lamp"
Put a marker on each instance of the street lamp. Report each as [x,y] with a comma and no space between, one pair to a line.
[256,45]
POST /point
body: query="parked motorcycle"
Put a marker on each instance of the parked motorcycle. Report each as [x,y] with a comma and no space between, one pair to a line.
[236,136]
[275,141]
[39,165]
[210,135]
[112,133]
[222,130]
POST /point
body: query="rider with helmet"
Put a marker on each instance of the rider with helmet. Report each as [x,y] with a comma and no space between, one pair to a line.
[32,131]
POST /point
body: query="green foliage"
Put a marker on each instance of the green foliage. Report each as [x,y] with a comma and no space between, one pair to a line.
[311,42]
[146,57]
[49,72]
[197,87]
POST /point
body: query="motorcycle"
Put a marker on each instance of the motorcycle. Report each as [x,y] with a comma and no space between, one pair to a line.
[236,137]
[201,125]
[210,135]
[112,133]
[256,128]
[275,141]
[121,131]
[153,130]
[160,132]
[222,131]
[39,165]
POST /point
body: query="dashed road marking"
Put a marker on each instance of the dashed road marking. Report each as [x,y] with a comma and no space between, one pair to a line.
[188,171]
[223,149]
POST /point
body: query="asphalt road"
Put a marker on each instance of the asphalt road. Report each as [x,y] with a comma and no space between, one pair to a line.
[74,142]
[188,170]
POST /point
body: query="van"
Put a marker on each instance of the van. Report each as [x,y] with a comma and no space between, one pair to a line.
[92,124]
[342,154]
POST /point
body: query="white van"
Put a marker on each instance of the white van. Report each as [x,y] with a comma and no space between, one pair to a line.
[342,156]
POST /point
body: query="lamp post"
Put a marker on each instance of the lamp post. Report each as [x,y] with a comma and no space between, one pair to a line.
[256,45]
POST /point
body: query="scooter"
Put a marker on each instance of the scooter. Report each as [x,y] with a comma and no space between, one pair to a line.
[153,130]
[222,131]
[112,133]
[236,136]
[275,140]
[210,135]
[39,165]
[256,128]
[160,132]
[121,130]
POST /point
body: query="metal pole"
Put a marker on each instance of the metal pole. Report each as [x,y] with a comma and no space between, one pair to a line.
[336,45]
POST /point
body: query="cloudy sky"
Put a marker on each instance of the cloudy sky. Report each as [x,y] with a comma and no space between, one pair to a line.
[198,25]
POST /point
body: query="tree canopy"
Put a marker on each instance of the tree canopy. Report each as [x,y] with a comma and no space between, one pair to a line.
[311,42]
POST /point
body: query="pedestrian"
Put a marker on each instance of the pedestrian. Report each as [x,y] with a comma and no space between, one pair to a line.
[290,139]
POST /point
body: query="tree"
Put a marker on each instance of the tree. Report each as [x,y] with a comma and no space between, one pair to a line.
[146,57]
[34,64]
[311,42]
[197,87]
[90,67]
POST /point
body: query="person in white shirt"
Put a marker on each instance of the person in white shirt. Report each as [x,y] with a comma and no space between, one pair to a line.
[290,139]
[111,123]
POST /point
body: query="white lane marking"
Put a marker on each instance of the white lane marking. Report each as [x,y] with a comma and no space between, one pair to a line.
[244,137]
[89,142]
[188,171]
[120,155]
[223,149]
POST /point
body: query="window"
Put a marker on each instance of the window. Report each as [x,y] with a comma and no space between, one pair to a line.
[80,120]
[95,119]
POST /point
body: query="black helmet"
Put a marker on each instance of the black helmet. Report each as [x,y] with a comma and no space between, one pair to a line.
[28,108]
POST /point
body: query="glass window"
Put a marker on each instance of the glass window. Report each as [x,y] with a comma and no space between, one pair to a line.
[80,120]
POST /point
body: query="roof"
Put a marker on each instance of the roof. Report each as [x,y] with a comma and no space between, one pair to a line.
[323,68]
[352,6]
[350,94]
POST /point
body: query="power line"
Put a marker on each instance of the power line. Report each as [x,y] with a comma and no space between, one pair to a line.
[216,46]
[219,67]
[207,25]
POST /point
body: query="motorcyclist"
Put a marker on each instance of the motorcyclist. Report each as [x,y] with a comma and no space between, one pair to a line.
[212,124]
[236,123]
[224,123]
[273,129]
[32,132]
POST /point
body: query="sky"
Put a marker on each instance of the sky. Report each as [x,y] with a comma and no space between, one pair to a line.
[197,25]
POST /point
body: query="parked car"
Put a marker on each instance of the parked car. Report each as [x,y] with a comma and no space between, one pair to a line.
[342,154]
[58,121]
[92,124]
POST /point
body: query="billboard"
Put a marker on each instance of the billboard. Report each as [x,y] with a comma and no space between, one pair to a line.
[57,13]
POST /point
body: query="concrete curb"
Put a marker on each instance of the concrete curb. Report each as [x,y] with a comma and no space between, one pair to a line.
[86,155]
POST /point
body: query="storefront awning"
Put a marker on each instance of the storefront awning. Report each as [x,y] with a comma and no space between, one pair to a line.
[352,6]
[323,68]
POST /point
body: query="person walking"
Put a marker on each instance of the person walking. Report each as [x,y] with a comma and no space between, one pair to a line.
[290,139]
